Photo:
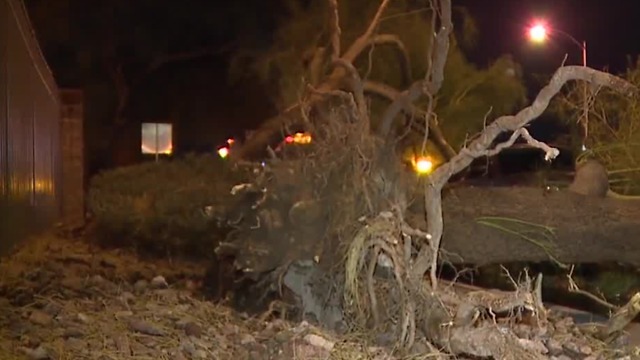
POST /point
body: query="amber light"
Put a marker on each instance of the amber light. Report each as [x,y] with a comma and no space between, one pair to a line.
[422,165]
[223,152]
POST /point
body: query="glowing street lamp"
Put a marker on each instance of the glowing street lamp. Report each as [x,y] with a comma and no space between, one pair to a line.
[538,33]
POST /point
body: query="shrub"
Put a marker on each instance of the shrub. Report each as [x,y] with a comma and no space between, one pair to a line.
[162,207]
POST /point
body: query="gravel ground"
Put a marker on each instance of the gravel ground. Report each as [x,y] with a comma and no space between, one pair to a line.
[64,299]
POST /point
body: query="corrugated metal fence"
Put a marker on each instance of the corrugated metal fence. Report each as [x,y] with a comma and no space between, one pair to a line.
[29,131]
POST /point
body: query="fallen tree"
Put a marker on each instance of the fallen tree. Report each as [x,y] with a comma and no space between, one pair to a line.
[511,224]
[324,224]
[327,223]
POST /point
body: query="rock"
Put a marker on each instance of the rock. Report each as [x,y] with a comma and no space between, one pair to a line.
[554,346]
[533,345]
[586,350]
[572,348]
[123,314]
[52,309]
[247,339]
[150,342]
[282,337]
[564,324]
[193,329]
[230,329]
[141,286]
[159,282]
[145,327]
[319,341]
[195,353]
[83,318]
[73,332]
[40,318]
[561,357]
[97,280]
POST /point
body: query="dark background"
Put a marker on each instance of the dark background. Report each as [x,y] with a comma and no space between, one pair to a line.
[206,108]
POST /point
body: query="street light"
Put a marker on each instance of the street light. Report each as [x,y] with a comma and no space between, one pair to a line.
[538,33]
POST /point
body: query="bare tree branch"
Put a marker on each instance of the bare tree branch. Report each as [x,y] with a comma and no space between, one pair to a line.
[435,133]
[435,76]
[526,115]
[262,136]
[361,43]
[316,65]
[335,29]
[403,55]
[550,152]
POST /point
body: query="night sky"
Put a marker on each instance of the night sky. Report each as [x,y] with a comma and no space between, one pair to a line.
[610,29]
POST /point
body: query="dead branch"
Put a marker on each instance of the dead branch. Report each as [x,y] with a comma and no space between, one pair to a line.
[563,75]
[362,42]
[622,317]
[550,152]
[335,29]
[436,135]
[435,76]
[441,48]
[316,65]
[403,54]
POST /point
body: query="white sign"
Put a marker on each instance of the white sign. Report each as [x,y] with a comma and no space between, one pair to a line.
[157,138]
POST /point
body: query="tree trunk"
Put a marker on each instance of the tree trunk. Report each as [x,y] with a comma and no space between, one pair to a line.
[507,224]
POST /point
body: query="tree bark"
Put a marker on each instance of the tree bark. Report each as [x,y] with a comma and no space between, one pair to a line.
[481,226]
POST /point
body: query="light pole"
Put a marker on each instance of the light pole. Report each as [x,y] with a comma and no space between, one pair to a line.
[538,33]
